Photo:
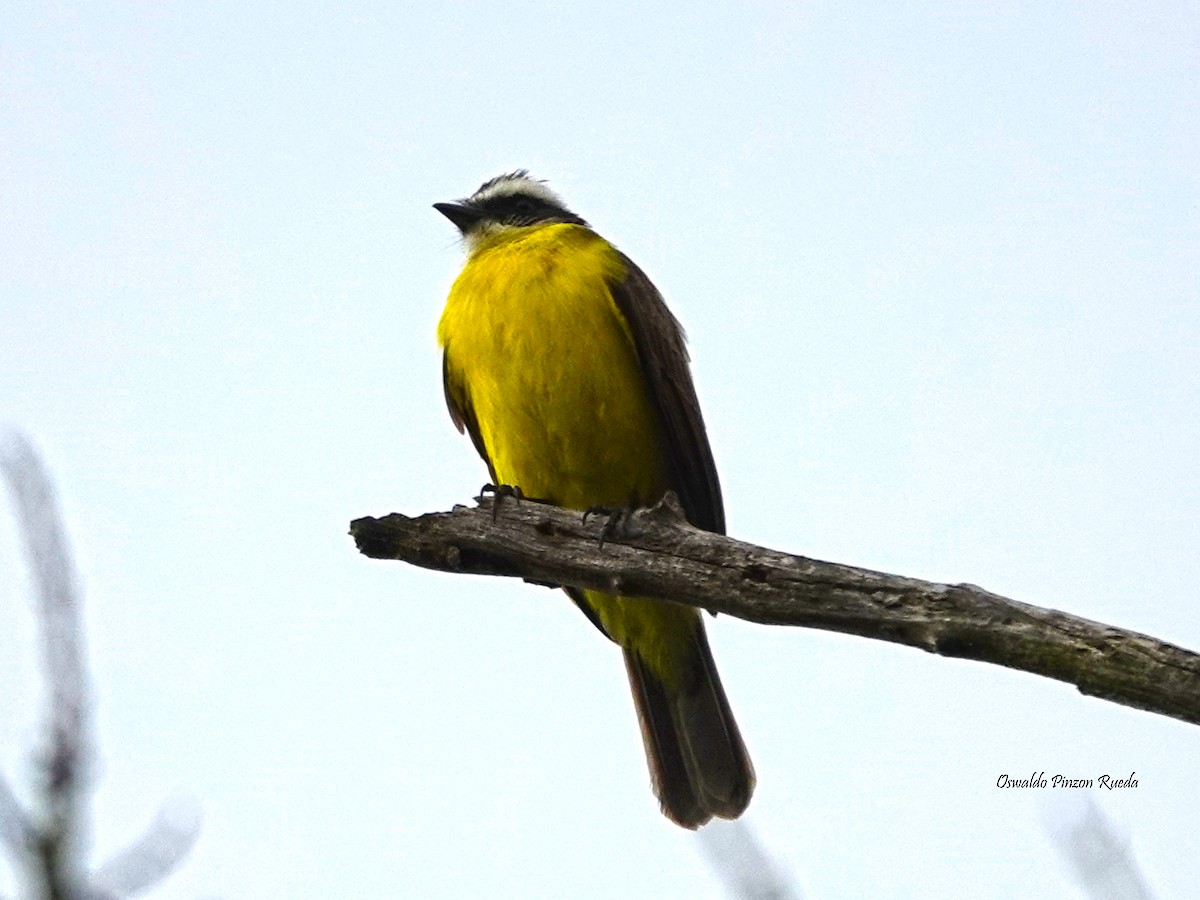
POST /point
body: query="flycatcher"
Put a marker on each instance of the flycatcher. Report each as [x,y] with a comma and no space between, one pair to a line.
[564,365]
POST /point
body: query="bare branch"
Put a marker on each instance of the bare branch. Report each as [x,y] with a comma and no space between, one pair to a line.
[1101,861]
[153,856]
[16,831]
[658,555]
[64,765]
[50,849]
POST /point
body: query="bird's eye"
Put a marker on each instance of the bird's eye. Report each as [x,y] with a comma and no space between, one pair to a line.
[524,205]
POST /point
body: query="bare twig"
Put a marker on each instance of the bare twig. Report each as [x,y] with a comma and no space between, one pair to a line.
[154,856]
[16,831]
[49,849]
[658,555]
[63,767]
[1101,861]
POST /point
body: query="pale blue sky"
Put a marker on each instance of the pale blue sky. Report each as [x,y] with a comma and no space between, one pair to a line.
[938,266]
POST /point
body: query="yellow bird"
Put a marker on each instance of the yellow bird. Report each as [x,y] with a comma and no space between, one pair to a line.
[568,371]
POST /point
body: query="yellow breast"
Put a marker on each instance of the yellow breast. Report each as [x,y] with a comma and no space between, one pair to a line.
[538,348]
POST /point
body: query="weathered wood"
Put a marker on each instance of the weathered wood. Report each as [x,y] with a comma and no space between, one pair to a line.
[656,554]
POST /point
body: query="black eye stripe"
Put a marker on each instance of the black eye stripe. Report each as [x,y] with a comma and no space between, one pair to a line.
[517,205]
[524,209]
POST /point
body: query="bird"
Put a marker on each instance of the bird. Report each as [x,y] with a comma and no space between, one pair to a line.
[562,362]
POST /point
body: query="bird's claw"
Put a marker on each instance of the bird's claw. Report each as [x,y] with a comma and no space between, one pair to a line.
[499,492]
[618,518]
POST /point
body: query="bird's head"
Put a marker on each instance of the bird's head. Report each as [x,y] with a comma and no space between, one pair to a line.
[513,200]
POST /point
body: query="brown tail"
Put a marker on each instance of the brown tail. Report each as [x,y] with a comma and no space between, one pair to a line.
[698,763]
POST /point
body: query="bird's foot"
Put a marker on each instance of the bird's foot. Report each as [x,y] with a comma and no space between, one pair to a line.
[499,492]
[617,522]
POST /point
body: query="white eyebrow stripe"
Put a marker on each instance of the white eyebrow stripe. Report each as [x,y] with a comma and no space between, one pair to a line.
[517,183]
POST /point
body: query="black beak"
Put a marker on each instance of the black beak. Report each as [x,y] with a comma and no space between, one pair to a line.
[464,217]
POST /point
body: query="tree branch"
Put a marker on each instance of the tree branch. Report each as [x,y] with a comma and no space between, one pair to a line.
[656,554]
[64,766]
[47,844]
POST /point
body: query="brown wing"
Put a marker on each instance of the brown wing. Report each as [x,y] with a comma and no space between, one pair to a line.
[463,414]
[659,340]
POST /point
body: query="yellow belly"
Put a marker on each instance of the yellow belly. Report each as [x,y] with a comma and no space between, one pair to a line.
[537,347]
